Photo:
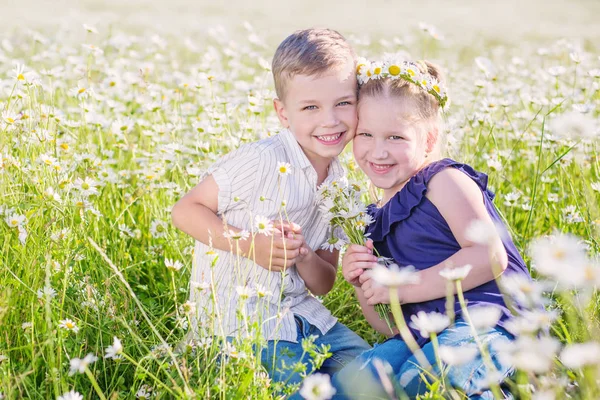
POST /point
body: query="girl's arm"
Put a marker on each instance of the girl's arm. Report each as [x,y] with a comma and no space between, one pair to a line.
[460,201]
[372,316]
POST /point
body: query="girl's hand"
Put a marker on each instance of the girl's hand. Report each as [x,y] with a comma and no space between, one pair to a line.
[356,259]
[375,294]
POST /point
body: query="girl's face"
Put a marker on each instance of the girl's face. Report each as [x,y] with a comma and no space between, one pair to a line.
[389,146]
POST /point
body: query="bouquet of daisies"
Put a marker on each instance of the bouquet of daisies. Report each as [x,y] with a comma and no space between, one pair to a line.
[340,202]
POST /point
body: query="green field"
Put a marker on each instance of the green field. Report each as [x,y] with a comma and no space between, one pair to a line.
[103,129]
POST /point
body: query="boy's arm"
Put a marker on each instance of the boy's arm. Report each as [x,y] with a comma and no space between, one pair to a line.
[318,270]
[460,201]
[196,214]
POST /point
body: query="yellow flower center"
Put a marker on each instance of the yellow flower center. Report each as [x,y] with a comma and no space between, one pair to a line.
[14,222]
[10,120]
[85,186]
[377,71]
[436,88]
[79,204]
[70,325]
[282,170]
[559,254]
[81,90]
[411,72]
[358,67]
[64,146]
[394,70]
[20,77]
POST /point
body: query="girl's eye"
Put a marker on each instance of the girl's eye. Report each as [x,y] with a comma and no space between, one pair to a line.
[344,103]
[396,137]
[365,134]
[310,108]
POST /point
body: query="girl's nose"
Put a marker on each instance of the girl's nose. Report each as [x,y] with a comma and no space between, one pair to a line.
[379,151]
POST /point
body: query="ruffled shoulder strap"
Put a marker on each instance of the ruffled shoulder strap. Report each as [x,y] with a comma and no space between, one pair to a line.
[412,195]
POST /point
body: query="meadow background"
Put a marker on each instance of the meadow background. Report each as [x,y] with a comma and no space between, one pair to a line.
[105,126]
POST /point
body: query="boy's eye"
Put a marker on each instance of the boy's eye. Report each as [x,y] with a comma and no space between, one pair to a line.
[365,134]
[344,103]
[310,108]
[395,137]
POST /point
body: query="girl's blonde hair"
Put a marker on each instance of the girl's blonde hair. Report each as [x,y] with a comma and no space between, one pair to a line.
[426,107]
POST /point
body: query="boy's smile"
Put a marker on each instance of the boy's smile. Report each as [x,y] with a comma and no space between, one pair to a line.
[320,110]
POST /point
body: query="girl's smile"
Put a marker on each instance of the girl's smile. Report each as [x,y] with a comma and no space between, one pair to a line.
[390,144]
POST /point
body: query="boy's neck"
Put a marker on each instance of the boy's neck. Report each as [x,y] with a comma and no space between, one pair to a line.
[321,166]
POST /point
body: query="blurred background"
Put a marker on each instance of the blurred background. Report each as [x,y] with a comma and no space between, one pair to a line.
[465,21]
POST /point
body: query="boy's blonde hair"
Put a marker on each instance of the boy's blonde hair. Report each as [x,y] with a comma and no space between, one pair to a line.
[309,52]
[426,106]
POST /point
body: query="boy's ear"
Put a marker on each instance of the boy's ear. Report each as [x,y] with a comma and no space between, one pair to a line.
[281,113]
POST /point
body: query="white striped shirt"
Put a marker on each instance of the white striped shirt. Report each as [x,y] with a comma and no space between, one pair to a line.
[250,185]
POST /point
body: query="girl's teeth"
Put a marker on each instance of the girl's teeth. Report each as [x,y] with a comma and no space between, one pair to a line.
[330,138]
[381,167]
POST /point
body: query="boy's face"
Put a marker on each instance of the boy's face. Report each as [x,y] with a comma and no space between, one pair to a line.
[321,112]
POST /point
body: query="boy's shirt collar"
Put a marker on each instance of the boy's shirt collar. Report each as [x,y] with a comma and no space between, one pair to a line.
[298,157]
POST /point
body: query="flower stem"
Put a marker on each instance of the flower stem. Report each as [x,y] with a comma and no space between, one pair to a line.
[405,332]
[94,383]
[484,354]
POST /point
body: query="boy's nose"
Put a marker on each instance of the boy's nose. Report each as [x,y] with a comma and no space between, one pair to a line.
[330,120]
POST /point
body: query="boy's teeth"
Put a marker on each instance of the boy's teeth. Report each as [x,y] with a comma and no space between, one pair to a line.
[330,138]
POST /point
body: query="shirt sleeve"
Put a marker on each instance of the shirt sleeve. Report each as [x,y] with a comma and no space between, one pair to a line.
[235,175]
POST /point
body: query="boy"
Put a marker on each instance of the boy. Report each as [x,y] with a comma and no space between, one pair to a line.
[265,278]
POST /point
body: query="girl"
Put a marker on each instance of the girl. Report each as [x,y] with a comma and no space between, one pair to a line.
[428,204]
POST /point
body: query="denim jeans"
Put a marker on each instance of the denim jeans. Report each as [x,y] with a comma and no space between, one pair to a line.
[345,346]
[359,379]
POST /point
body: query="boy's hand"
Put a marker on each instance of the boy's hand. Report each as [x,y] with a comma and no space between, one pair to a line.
[356,259]
[283,249]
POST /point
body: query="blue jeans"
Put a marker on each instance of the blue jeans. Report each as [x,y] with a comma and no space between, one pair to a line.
[359,379]
[345,346]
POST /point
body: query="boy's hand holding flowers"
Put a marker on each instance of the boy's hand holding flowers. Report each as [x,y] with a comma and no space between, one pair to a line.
[281,249]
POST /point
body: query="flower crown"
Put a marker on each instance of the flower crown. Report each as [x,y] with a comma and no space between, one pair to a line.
[406,70]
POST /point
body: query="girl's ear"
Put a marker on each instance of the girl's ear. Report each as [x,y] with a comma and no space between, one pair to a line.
[281,113]
[432,139]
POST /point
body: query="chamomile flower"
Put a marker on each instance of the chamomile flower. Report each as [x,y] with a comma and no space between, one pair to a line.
[394,276]
[158,229]
[284,169]
[317,387]
[71,395]
[236,235]
[68,325]
[173,265]
[578,355]
[456,274]
[79,365]
[114,351]
[244,292]
[458,355]
[428,323]
[263,225]
[15,220]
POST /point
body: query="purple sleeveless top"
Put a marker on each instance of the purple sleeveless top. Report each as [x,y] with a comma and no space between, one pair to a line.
[410,230]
